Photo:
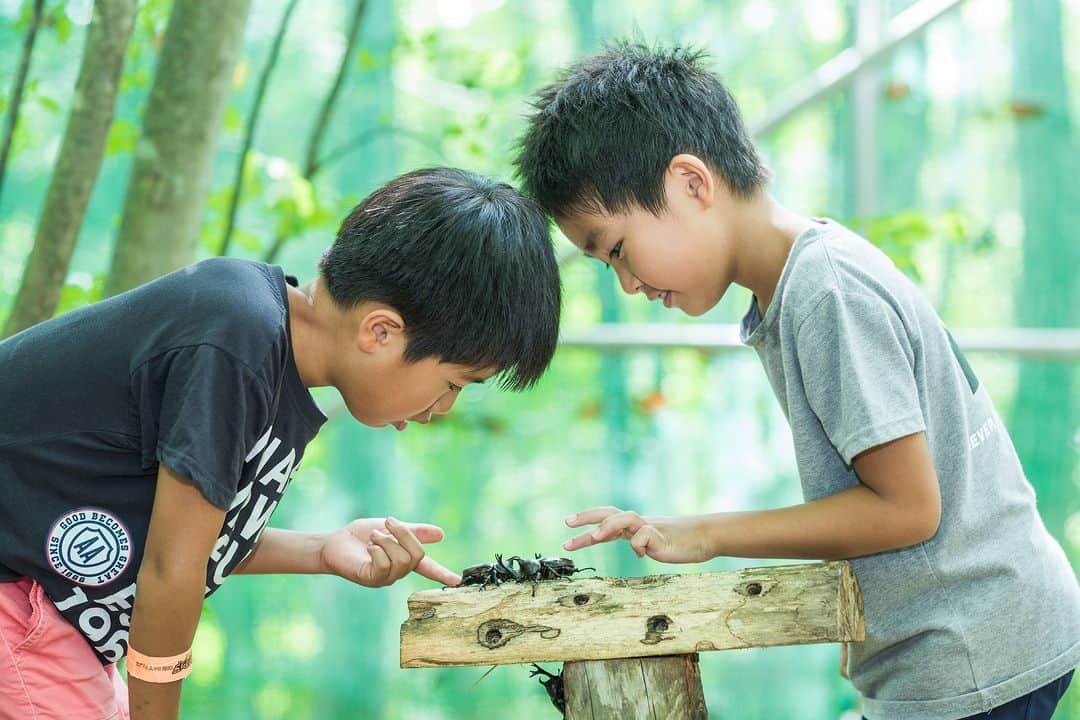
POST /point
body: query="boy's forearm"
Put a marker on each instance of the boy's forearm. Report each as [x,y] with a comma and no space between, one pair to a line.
[851,523]
[163,624]
[170,586]
[284,551]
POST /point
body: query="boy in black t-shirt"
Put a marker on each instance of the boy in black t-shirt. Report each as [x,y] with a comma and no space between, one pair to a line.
[146,439]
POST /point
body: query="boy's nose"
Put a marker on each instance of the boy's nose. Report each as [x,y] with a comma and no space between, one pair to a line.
[630,283]
[444,403]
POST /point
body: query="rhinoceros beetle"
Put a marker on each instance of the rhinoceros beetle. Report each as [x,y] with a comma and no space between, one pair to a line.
[486,574]
[553,684]
[519,569]
[546,568]
[528,568]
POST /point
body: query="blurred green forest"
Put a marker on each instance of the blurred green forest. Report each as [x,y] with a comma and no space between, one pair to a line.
[965,174]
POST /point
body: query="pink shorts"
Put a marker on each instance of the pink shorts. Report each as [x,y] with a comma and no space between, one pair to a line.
[47,670]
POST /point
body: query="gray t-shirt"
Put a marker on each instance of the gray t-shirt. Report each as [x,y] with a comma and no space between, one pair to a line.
[989,608]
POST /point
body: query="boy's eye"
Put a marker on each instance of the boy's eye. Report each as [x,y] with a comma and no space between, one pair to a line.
[616,251]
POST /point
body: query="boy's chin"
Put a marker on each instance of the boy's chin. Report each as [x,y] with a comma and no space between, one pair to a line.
[696,309]
[694,312]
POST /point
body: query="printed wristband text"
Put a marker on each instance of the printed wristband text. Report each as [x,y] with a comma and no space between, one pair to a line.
[158,669]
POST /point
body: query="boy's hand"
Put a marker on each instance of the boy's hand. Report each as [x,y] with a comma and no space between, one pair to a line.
[375,552]
[667,539]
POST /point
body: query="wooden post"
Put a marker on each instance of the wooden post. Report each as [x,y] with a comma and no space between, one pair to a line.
[668,686]
[630,644]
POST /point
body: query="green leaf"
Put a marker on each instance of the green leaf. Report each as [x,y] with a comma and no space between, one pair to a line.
[79,291]
[155,13]
[122,137]
[502,68]
[367,60]
[137,78]
[233,121]
[24,16]
[210,234]
[22,137]
[303,196]
[247,240]
[219,199]
[62,24]
[288,223]
[321,216]
[48,103]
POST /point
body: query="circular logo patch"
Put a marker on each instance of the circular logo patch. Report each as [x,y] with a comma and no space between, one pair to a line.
[89,546]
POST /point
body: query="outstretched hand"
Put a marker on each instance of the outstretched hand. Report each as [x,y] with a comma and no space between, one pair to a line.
[667,539]
[376,552]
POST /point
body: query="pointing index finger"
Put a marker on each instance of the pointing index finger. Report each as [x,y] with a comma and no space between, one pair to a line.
[432,570]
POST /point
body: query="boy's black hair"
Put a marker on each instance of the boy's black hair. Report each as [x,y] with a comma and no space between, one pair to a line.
[466,260]
[603,134]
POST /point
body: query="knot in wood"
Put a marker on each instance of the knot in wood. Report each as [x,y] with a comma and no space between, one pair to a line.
[655,627]
[496,633]
[578,600]
[658,623]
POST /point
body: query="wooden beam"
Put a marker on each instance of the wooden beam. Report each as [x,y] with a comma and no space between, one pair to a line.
[610,618]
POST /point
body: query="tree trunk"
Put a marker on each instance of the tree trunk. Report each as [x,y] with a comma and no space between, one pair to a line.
[18,86]
[171,173]
[1044,415]
[77,164]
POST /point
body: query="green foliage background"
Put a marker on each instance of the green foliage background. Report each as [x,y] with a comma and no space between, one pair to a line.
[674,431]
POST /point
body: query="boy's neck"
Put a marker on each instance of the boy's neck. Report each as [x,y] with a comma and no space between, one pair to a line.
[764,231]
[306,328]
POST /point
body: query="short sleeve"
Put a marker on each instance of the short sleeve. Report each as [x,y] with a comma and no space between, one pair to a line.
[858,373]
[200,410]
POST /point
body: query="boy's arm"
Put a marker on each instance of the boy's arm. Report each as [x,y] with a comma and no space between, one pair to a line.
[170,586]
[372,552]
[896,504]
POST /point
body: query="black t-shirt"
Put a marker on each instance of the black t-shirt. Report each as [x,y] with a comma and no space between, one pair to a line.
[194,370]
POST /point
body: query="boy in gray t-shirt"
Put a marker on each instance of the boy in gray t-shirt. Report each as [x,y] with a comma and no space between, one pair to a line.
[642,158]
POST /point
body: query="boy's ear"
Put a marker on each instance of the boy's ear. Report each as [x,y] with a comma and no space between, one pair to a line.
[379,327]
[692,178]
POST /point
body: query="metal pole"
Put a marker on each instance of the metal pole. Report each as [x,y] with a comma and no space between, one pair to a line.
[839,71]
[1042,343]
